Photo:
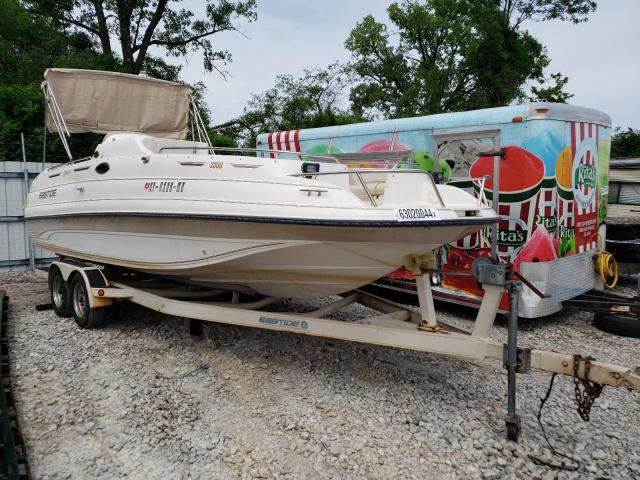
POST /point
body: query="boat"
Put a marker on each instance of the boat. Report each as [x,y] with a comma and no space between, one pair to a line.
[151,201]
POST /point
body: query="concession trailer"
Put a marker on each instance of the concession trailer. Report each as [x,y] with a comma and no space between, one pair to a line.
[552,195]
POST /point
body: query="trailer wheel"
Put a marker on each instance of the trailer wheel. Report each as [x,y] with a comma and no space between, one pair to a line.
[59,293]
[618,323]
[84,315]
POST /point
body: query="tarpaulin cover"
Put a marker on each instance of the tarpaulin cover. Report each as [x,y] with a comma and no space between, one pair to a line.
[103,102]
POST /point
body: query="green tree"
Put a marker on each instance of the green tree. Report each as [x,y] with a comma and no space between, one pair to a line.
[625,143]
[551,92]
[143,24]
[519,11]
[28,45]
[32,39]
[315,99]
[449,55]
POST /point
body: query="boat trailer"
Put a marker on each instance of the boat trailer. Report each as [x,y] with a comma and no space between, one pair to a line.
[87,289]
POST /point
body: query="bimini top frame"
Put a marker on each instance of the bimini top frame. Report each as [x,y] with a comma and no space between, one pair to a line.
[53,111]
[80,101]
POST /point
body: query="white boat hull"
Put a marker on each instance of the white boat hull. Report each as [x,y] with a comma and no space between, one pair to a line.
[279,259]
[257,222]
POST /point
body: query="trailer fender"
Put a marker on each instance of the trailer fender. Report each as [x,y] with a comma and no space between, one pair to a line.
[93,277]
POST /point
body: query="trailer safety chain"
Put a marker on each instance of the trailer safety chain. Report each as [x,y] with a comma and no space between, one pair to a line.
[586,390]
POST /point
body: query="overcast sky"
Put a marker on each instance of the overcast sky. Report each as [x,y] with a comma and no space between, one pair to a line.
[600,57]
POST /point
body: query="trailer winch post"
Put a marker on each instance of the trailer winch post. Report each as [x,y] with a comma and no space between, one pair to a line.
[497,155]
[513,419]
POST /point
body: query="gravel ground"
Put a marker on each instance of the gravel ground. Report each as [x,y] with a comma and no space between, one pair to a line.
[140,398]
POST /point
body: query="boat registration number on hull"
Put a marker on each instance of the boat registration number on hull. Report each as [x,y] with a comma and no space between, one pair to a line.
[416,214]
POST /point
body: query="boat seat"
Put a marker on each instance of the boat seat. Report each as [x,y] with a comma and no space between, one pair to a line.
[376,187]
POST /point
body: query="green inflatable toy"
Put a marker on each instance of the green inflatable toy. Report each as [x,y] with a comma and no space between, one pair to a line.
[425,161]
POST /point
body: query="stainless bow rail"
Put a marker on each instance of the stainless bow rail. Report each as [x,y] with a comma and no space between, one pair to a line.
[299,155]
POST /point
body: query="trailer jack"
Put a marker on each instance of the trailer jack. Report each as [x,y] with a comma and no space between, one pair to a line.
[513,419]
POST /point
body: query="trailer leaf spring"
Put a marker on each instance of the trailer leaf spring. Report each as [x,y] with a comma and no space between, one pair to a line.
[586,390]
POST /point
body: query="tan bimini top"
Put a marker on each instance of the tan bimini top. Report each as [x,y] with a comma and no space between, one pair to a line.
[103,102]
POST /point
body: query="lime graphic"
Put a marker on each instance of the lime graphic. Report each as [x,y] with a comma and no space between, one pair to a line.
[322,149]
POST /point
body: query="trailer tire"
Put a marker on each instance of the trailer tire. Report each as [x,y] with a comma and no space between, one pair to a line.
[84,315]
[618,323]
[59,293]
